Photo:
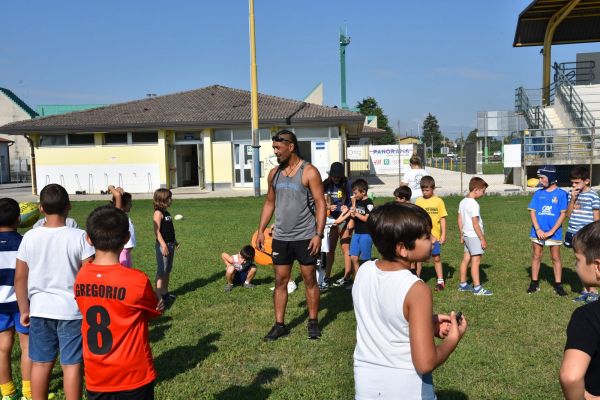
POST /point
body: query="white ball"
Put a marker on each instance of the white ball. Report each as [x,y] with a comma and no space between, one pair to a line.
[178,217]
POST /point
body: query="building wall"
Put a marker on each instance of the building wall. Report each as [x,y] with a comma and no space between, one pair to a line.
[19,151]
[139,168]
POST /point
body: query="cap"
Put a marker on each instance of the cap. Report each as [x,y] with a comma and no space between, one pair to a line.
[337,170]
[549,171]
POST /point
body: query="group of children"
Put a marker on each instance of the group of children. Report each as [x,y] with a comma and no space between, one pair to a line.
[72,293]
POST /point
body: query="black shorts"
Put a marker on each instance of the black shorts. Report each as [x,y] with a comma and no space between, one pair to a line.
[284,253]
[145,392]
[568,240]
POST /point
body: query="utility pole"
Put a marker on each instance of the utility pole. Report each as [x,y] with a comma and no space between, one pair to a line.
[344,42]
[254,103]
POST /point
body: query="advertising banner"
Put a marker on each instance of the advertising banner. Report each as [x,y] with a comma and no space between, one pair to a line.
[388,159]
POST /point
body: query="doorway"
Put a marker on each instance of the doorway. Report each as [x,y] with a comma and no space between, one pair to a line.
[242,165]
[190,165]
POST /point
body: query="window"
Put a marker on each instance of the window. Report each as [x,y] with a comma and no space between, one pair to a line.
[144,137]
[242,134]
[80,139]
[222,135]
[115,138]
[313,133]
[53,140]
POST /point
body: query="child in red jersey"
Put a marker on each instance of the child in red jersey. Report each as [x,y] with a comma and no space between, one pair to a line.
[116,303]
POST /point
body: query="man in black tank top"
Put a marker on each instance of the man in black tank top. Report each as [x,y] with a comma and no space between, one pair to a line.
[295,195]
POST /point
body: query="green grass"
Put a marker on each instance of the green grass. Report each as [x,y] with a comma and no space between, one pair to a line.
[488,169]
[209,345]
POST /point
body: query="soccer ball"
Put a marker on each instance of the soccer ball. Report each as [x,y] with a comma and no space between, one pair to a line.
[30,213]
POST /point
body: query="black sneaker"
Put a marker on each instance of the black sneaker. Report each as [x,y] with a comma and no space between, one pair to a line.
[169,299]
[314,332]
[533,287]
[276,332]
[560,290]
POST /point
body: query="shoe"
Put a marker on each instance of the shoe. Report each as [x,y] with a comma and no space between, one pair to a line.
[533,287]
[439,286]
[228,287]
[559,290]
[323,287]
[482,291]
[168,299]
[291,287]
[314,332]
[249,285]
[465,288]
[592,297]
[342,282]
[582,297]
[276,332]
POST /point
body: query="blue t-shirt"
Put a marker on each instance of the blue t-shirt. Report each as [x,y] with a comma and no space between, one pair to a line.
[9,244]
[548,206]
[583,211]
[337,196]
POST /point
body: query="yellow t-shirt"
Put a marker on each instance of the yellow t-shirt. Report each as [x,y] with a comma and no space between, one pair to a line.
[436,209]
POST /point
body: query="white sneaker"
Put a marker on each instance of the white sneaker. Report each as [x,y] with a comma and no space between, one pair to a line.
[291,286]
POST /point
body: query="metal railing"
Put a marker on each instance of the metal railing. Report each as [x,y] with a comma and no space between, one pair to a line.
[564,80]
[576,72]
[531,109]
[566,145]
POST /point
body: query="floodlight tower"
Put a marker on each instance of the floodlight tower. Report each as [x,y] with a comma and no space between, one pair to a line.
[344,41]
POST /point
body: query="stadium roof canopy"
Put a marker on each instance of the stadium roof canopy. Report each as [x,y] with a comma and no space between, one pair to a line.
[581,25]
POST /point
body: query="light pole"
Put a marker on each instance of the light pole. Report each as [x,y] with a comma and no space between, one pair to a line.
[254,103]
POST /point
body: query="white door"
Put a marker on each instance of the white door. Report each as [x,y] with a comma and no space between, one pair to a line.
[242,165]
[320,156]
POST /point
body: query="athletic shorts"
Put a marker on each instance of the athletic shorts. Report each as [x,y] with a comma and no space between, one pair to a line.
[164,264]
[360,246]
[241,276]
[8,320]
[125,258]
[473,246]
[436,249]
[547,242]
[145,392]
[284,252]
[569,240]
[48,337]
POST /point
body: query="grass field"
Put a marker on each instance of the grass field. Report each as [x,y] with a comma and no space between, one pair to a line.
[209,345]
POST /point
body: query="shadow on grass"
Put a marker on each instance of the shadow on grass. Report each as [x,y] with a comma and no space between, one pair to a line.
[158,327]
[183,358]
[197,284]
[451,395]
[569,276]
[253,391]
[332,302]
[428,271]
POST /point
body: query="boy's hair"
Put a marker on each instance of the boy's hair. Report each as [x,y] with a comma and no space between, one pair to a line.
[427,182]
[361,185]
[161,198]
[415,160]
[394,223]
[54,199]
[9,212]
[248,253]
[125,200]
[108,228]
[477,183]
[291,138]
[586,241]
[580,172]
[403,192]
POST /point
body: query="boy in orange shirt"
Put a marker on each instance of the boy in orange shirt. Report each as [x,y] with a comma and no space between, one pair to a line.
[116,303]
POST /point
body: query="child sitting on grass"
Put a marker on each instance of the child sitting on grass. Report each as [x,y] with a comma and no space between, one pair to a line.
[580,368]
[240,268]
[395,327]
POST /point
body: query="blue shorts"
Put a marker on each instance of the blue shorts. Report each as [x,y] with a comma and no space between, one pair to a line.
[164,265]
[436,249]
[240,277]
[8,320]
[569,240]
[49,336]
[360,246]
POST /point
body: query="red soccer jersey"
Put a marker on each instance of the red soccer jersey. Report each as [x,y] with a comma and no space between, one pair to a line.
[116,304]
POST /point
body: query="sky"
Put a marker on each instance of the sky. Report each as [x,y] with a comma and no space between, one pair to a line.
[447,58]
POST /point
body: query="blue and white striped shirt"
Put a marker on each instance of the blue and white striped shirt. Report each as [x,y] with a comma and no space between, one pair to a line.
[9,244]
[583,211]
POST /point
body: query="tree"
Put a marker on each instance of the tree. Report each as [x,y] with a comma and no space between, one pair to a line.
[472,136]
[431,133]
[369,106]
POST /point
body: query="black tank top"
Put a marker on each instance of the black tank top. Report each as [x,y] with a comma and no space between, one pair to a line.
[167,230]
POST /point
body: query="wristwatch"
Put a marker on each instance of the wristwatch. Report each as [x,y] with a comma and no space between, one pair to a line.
[321,235]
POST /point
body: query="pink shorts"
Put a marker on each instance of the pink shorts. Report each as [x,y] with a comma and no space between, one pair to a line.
[125,258]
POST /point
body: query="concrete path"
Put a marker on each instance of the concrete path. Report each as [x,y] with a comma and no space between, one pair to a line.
[447,183]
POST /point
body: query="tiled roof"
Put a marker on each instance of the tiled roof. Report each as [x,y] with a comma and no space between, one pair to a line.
[211,106]
[369,131]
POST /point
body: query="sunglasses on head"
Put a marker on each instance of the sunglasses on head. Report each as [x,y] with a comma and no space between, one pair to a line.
[278,138]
